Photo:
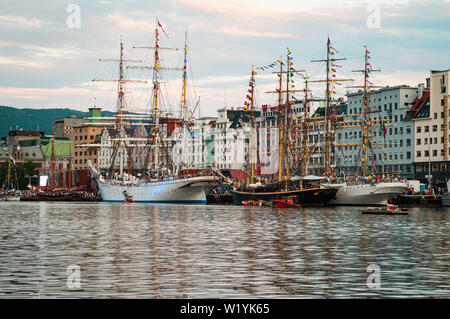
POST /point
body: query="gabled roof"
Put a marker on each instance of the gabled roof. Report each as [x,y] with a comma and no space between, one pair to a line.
[421,107]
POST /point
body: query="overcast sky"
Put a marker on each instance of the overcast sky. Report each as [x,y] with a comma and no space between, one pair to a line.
[49,60]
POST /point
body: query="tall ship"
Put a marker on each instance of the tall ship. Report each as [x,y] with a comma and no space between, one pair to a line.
[307,192]
[159,181]
[376,188]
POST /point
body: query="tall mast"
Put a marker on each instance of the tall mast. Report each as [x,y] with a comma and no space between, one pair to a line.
[184,109]
[53,156]
[156,89]
[287,134]
[70,165]
[120,87]
[280,130]
[120,103]
[366,123]
[305,129]
[156,86]
[252,142]
[327,123]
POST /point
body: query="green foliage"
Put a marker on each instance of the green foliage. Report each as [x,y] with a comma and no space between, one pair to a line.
[21,171]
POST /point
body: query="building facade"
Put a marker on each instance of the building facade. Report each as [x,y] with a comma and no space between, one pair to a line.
[432,130]
[393,139]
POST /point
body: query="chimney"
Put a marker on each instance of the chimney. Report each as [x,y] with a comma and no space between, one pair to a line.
[420,89]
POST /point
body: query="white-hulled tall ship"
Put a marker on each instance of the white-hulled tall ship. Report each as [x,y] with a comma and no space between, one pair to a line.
[367,189]
[156,183]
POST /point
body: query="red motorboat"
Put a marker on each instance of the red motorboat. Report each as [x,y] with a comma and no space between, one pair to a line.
[285,203]
[129,200]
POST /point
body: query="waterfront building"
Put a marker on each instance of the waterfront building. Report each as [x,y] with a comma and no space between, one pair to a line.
[388,108]
[64,127]
[432,129]
[16,136]
[199,143]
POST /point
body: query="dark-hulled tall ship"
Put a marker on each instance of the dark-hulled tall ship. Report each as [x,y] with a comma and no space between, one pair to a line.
[305,191]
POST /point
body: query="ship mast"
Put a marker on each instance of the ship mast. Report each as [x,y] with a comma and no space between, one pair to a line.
[53,156]
[156,86]
[305,130]
[119,144]
[184,109]
[252,141]
[280,130]
[327,124]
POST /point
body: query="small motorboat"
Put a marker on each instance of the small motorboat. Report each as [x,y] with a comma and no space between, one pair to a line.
[128,198]
[254,203]
[285,203]
[388,210]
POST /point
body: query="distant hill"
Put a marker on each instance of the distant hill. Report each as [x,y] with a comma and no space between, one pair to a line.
[12,118]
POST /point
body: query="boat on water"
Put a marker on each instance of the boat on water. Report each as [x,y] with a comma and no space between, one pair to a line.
[159,181]
[369,188]
[418,200]
[306,197]
[286,203]
[368,194]
[387,210]
[176,190]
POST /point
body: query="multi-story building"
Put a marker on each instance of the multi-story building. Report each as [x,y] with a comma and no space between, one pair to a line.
[64,127]
[431,124]
[199,150]
[394,135]
[84,136]
[232,140]
[14,137]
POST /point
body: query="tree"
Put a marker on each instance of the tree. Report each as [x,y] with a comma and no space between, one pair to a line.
[22,171]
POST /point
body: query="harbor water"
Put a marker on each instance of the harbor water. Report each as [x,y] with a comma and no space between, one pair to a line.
[211,251]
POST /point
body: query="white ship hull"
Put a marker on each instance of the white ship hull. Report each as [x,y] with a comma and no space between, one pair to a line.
[186,190]
[367,194]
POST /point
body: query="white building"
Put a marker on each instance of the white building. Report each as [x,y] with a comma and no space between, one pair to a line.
[432,129]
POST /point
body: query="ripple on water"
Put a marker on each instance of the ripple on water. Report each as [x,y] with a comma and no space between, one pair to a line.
[162,251]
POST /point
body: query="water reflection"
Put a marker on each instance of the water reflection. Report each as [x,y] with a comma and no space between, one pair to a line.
[160,251]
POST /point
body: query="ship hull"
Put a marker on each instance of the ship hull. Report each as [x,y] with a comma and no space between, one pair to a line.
[368,194]
[187,190]
[305,197]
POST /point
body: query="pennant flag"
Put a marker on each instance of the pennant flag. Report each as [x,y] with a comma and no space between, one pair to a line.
[333,49]
[159,24]
[335,65]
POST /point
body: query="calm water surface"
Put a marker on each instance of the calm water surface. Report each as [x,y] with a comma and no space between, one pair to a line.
[179,251]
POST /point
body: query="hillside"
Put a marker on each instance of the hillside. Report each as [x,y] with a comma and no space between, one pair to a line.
[32,119]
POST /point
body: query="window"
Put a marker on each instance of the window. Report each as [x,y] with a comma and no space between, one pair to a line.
[408,155]
[426,140]
[427,129]
[419,129]
[435,115]
[434,152]
[419,154]
[427,153]
[435,127]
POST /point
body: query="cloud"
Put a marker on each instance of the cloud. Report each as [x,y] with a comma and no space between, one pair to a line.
[234,8]
[123,22]
[241,32]
[17,21]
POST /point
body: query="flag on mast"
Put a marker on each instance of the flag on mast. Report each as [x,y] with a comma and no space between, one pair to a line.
[159,25]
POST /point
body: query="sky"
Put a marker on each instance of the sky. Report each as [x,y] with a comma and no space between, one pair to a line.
[50,49]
